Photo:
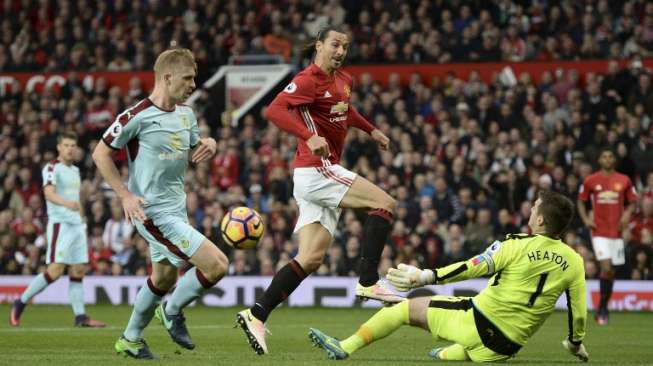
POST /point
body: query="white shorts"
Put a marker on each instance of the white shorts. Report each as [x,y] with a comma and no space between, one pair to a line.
[318,192]
[67,243]
[170,237]
[609,248]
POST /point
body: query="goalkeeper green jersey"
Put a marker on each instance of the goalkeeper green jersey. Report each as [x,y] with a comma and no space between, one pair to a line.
[530,272]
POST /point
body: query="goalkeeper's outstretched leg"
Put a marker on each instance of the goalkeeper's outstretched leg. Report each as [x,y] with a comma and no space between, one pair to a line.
[445,317]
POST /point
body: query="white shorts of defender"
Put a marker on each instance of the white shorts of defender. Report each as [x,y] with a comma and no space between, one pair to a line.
[67,243]
[318,192]
[609,248]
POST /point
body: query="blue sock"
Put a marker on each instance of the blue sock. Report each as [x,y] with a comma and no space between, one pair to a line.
[147,300]
[76,294]
[38,284]
[189,288]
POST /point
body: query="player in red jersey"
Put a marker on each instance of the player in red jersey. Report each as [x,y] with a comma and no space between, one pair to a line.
[315,107]
[609,191]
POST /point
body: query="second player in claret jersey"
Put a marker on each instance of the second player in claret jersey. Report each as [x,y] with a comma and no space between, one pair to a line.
[315,107]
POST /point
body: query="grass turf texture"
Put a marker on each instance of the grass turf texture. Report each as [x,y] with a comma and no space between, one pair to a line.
[46,337]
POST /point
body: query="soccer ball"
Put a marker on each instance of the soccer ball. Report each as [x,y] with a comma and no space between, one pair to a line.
[242,228]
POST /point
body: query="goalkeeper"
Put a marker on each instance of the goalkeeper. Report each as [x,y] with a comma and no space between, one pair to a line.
[530,272]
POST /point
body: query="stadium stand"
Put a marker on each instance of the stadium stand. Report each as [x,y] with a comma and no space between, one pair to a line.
[468,156]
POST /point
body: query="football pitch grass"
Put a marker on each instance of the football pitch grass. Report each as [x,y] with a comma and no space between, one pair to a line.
[47,337]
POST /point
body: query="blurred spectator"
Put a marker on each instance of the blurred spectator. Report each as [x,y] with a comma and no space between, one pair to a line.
[117,229]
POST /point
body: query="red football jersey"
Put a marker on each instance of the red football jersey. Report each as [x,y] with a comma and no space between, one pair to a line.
[608,194]
[319,102]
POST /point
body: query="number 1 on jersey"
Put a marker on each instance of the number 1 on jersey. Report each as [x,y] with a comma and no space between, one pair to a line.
[538,290]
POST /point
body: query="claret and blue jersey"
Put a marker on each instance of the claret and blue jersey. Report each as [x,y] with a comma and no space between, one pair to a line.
[158,145]
[66,181]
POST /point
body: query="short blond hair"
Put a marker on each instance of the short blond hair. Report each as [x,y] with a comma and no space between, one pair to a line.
[174,58]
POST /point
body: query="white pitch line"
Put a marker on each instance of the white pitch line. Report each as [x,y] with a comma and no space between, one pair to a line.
[68,329]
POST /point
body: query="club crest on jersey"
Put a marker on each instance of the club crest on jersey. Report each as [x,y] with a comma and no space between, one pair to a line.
[340,108]
[617,187]
[347,90]
[290,88]
[185,122]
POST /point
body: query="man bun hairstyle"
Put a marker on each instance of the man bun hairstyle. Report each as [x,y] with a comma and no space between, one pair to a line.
[558,212]
[308,51]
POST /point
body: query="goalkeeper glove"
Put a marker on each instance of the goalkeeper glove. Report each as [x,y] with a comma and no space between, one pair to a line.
[406,277]
[578,351]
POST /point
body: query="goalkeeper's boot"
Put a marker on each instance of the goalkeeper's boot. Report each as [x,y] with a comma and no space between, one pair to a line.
[175,325]
[84,321]
[138,350]
[327,343]
[16,310]
[381,291]
[254,330]
[435,353]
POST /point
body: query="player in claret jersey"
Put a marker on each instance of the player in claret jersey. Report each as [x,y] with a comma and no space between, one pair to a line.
[609,191]
[161,136]
[315,107]
[66,234]
[530,273]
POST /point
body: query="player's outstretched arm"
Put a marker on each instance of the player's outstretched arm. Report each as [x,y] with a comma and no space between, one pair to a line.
[493,259]
[406,277]
[131,204]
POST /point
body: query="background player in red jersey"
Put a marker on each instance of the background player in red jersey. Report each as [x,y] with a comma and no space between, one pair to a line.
[608,190]
[315,108]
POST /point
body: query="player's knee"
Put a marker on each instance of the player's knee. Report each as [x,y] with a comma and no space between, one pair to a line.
[217,268]
[417,308]
[78,271]
[388,203]
[311,263]
[54,272]
[163,283]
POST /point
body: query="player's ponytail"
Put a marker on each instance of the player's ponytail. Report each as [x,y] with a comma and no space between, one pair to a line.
[308,49]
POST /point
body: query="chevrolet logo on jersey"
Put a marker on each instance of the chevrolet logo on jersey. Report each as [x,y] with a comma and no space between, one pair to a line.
[340,108]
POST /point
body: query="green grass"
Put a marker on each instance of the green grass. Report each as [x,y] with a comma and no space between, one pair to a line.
[46,337]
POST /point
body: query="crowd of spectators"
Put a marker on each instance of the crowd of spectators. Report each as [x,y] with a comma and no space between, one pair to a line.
[120,35]
[467,159]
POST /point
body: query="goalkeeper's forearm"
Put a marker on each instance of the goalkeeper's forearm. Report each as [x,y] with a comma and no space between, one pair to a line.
[459,271]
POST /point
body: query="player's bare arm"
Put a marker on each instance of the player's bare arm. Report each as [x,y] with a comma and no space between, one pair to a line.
[381,139]
[52,196]
[582,211]
[131,204]
[204,151]
[625,218]
[357,120]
